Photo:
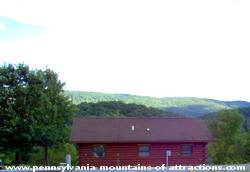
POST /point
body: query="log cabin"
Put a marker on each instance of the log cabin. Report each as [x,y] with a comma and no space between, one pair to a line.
[149,141]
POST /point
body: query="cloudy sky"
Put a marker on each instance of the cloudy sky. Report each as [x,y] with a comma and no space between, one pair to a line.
[194,48]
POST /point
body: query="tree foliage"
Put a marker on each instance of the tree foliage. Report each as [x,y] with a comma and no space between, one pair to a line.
[17,100]
[33,109]
[227,146]
[55,154]
[119,109]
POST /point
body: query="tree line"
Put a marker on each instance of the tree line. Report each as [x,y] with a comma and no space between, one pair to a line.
[119,109]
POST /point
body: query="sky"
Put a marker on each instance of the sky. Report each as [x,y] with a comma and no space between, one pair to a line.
[161,48]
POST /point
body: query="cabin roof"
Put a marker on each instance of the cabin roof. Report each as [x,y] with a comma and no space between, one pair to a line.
[136,130]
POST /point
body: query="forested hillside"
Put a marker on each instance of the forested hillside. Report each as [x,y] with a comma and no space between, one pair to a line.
[188,106]
[119,109]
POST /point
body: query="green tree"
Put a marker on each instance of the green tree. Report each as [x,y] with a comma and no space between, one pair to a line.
[15,104]
[227,146]
[33,110]
[55,113]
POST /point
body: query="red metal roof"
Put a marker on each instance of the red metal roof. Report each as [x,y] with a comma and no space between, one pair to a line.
[119,130]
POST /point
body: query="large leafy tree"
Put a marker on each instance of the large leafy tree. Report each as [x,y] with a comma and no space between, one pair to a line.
[16,103]
[227,146]
[33,109]
[55,112]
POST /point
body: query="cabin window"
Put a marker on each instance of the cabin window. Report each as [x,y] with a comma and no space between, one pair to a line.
[99,151]
[143,150]
[186,150]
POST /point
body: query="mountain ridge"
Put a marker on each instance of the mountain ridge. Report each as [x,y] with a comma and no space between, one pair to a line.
[187,106]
